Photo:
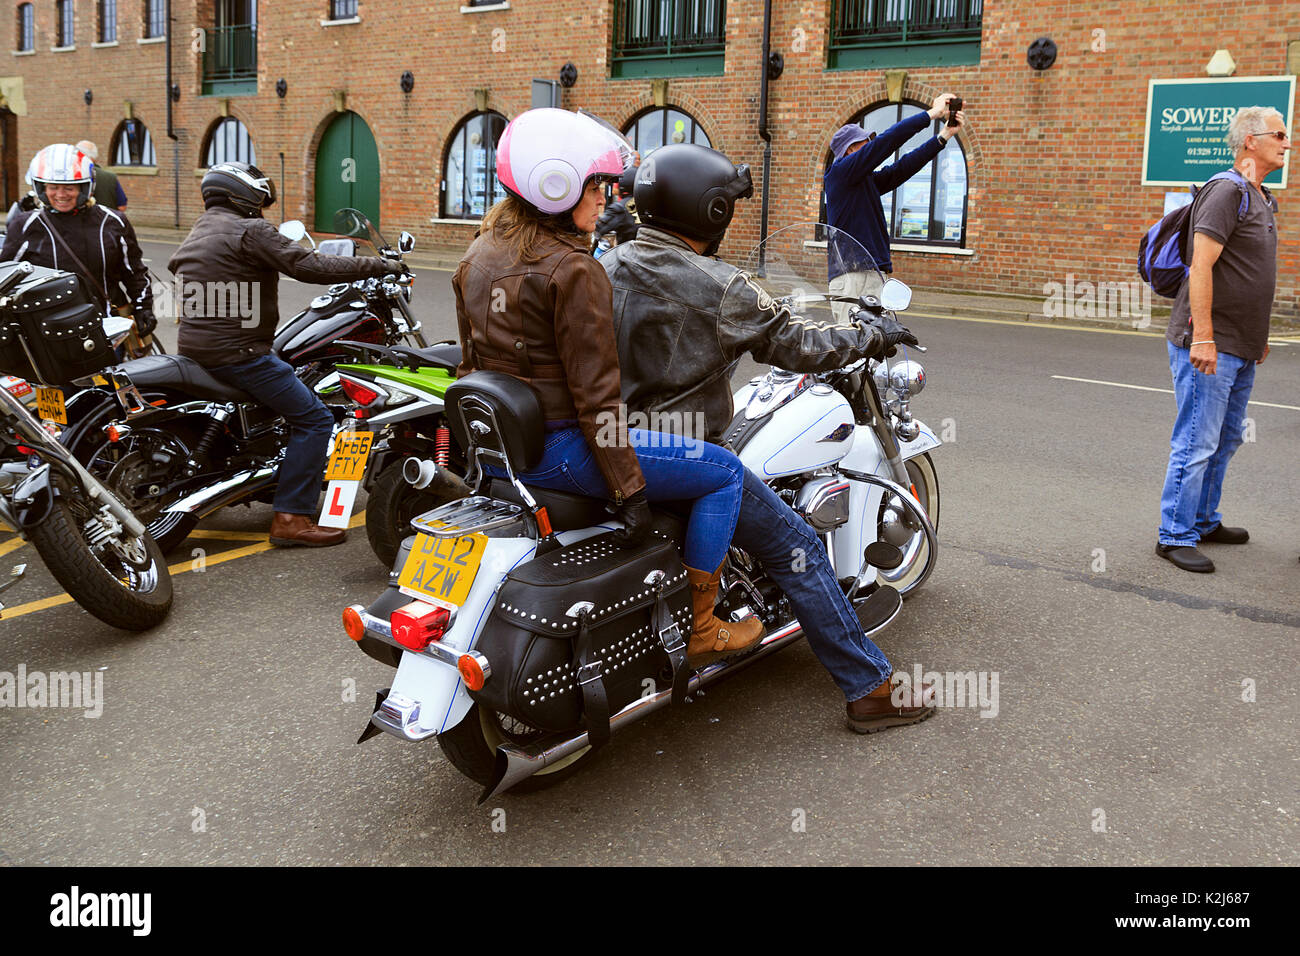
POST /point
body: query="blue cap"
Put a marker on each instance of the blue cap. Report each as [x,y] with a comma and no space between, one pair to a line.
[846,136]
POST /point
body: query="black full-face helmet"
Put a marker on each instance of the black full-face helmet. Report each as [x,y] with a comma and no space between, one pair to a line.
[239,185]
[690,190]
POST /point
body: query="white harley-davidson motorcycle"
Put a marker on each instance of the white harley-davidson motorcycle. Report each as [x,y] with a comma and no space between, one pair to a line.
[523,634]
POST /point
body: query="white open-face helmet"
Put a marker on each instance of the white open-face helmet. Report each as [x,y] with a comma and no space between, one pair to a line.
[61,164]
[546,156]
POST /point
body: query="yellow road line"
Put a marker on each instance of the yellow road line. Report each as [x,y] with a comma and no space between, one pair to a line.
[1167,391]
[180,567]
[231,535]
[13,544]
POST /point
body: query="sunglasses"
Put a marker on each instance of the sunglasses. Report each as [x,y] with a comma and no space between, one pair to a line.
[1279,135]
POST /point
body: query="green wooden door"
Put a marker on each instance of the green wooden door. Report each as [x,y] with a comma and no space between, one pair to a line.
[347,171]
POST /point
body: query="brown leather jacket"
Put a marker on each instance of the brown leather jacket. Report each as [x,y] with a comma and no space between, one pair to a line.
[550,323]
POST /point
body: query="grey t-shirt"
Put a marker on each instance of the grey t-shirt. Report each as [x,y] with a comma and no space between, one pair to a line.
[1245,276]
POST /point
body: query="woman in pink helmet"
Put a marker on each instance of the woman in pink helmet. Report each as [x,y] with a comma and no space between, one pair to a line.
[533,302]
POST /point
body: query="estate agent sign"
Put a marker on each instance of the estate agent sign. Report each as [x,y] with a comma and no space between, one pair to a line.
[1187,120]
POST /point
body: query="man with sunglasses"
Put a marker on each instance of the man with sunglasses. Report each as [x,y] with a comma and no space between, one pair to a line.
[1218,333]
[854,186]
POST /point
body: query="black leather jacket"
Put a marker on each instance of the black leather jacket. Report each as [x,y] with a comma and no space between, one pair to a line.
[683,320]
[101,238]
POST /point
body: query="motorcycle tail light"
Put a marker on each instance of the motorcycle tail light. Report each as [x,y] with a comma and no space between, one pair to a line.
[471,671]
[414,625]
[352,623]
[358,393]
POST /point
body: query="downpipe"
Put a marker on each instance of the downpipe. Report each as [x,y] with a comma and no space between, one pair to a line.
[516,763]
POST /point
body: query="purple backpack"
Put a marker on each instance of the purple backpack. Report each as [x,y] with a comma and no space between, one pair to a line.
[1164,252]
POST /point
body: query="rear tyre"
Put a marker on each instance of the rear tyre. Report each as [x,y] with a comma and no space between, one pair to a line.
[389,510]
[471,746]
[133,592]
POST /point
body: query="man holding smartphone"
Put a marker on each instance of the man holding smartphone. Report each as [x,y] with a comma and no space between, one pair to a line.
[854,186]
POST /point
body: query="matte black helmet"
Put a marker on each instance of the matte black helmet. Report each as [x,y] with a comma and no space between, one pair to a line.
[244,187]
[691,190]
[627,182]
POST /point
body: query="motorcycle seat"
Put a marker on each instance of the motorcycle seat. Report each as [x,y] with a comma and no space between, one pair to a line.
[444,355]
[184,375]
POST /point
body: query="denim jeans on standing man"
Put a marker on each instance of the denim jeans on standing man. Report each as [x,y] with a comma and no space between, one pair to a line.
[272,382]
[1207,430]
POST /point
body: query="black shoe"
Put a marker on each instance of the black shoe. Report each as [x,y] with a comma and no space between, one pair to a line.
[1187,558]
[1222,535]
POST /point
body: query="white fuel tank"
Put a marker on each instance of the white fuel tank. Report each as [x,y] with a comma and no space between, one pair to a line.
[799,426]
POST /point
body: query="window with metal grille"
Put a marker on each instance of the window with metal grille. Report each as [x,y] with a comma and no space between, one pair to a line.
[64,25]
[107,21]
[875,33]
[228,141]
[343,9]
[663,125]
[669,37]
[930,208]
[155,18]
[132,145]
[469,183]
[26,27]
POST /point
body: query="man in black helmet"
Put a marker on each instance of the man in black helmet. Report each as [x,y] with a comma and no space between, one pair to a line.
[682,319]
[228,270]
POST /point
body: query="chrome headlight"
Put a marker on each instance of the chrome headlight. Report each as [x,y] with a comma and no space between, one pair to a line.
[907,378]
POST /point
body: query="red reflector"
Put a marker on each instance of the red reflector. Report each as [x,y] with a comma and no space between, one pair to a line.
[113,434]
[358,392]
[416,624]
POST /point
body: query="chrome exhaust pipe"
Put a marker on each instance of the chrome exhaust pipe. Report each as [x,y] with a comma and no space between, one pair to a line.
[210,499]
[424,474]
[515,763]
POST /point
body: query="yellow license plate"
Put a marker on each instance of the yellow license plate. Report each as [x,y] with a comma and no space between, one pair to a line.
[348,463]
[442,570]
[49,405]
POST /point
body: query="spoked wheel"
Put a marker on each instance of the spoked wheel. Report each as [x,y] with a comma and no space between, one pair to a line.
[902,530]
[121,579]
[140,470]
[471,746]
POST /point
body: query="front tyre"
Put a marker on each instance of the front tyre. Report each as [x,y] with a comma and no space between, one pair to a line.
[130,590]
[471,746]
[916,549]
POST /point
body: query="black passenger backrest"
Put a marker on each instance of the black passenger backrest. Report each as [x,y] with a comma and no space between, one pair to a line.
[500,413]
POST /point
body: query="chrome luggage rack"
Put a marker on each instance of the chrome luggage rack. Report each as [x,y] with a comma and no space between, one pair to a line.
[473,515]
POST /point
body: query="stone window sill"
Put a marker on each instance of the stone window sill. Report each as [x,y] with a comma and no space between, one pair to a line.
[503,5]
[133,170]
[454,222]
[143,40]
[907,247]
[340,23]
[102,46]
[23,52]
[63,49]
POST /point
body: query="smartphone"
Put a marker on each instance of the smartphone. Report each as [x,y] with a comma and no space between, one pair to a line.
[954,105]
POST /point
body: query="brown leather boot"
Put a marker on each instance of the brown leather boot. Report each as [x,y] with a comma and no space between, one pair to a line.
[713,639]
[288,530]
[877,710]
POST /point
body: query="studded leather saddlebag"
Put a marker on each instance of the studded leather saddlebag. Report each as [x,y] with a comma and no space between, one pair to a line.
[575,633]
[51,322]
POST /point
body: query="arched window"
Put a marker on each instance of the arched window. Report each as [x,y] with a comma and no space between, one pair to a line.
[930,208]
[228,141]
[132,145]
[469,183]
[662,125]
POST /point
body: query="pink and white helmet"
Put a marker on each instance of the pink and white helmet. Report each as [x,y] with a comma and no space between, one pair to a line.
[545,157]
[61,164]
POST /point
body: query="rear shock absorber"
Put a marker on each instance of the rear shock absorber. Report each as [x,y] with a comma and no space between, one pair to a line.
[220,414]
[442,446]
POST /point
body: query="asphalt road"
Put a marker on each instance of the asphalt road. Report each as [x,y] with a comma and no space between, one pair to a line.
[1144,715]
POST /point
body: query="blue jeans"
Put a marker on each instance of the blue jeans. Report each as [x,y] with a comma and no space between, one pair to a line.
[271,381]
[784,542]
[674,468]
[1211,413]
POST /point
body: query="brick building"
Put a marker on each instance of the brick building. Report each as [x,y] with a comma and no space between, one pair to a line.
[394,107]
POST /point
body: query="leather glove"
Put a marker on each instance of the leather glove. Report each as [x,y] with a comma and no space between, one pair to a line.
[145,322]
[892,334]
[637,521]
